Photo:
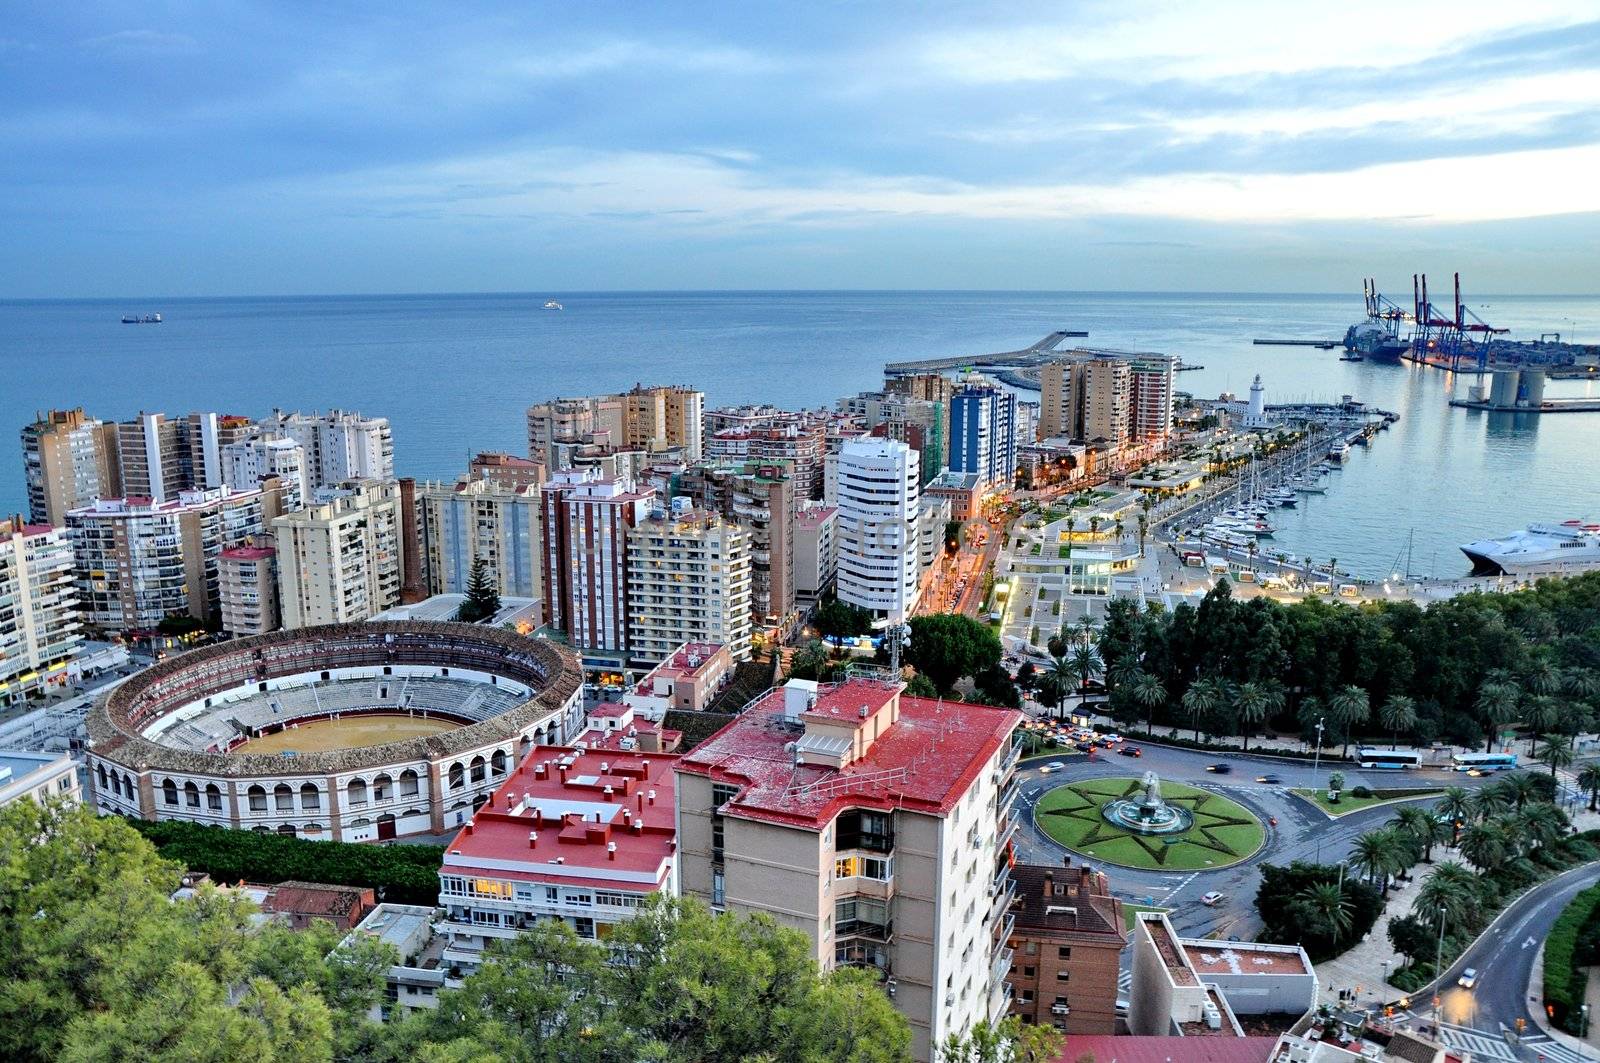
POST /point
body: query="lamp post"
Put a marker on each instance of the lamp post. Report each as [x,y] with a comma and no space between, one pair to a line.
[1316,760]
[1438,968]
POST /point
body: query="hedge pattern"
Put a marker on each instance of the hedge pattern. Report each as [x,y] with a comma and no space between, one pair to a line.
[1565,983]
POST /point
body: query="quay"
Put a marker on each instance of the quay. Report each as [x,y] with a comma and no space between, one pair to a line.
[1034,354]
[1321,345]
[1547,406]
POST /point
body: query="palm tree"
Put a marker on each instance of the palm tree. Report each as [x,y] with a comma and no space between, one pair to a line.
[1326,901]
[1453,888]
[1589,782]
[1085,663]
[1255,702]
[1203,698]
[1144,529]
[1496,706]
[1541,824]
[1398,714]
[1149,694]
[1456,804]
[1544,679]
[1422,826]
[1519,788]
[1487,803]
[1487,846]
[1072,525]
[1062,672]
[1375,855]
[1541,715]
[1121,529]
[1050,691]
[1556,753]
[1581,682]
[1094,526]
[1349,706]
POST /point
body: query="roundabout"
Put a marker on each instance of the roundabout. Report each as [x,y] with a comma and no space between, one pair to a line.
[1113,821]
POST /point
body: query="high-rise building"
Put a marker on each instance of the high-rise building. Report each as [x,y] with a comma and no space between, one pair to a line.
[488,519]
[662,418]
[596,419]
[247,585]
[816,550]
[339,445]
[648,420]
[688,582]
[138,561]
[246,462]
[39,624]
[153,458]
[1150,387]
[69,459]
[878,826]
[931,387]
[1058,401]
[1067,939]
[761,497]
[507,469]
[983,439]
[921,424]
[878,529]
[584,534]
[798,440]
[343,558]
[1107,401]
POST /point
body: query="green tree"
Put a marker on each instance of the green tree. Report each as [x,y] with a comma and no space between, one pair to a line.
[1556,752]
[1456,803]
[1010,1041]
[1150,694]
[1497,705]
[1411,938]
[1254,702]
[1201,700]
[1486,846]
[1422,827]
[1379,855]
[1541,713]
[1349,708]
[1085,664]
[947,646]
[837,619]
[1398,714]
[1589,783]
[920,686]
[483,597]
[1328,906]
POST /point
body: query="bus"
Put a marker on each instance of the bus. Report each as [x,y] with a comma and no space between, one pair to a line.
[1392,759]
[1484,761]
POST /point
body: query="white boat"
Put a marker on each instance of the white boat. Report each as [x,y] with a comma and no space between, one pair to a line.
[1564,549]
[1311,488]
[553,305]
[1339,452]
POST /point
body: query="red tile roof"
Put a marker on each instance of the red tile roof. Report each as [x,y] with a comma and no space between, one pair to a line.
[576,821]
[1108,1049]
[924,762]
[250,553]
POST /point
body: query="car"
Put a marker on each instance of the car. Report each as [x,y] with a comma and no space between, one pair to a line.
[1113,738]
[1474,773]
[1131,751]
[1212,899]
[1269,780]
[1222,767]
[1468,979]
[1057,765]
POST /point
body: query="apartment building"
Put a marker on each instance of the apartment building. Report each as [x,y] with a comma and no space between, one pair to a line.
[646,419]
[39,625]
[247,586]
[796,438]
[38,776]
[879,826]
[921,424]
[664,418]
[688,679]
[584,526]
[762,498]
[816,551]
[152,458]
[688,582]
[137,561]
[1192,988]
[983,427]
[1067,936]
[1110,396]
[246,462]
[599,420]
[1150,397]
[584,836]
[878,526]
[489,519]
[342,559]
[339,445]
[930,387]
[506,469]
[69,459]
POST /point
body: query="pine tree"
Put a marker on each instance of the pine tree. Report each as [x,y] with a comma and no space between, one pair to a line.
[483,599]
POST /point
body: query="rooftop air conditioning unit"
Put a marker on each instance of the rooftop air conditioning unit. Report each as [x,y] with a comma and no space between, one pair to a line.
[1060,1009]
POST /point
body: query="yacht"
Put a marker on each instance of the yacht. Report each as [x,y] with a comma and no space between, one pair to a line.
[1564,549]
[1339,452]
[551,304]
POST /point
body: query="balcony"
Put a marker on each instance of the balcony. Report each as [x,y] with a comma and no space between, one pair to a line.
[1001,966]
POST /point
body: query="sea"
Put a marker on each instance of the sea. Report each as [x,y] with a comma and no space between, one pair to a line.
[454,374]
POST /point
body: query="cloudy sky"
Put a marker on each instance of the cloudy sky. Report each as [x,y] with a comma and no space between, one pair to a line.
[174,148]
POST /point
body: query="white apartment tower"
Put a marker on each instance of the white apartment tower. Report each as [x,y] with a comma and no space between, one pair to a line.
[688,581]
[39,621]
[338,445]
[246,463]
[343,560]
[877,531]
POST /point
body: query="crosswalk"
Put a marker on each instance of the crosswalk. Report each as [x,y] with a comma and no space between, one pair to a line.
[1554,1052]
[1124,982]
[1486,1046]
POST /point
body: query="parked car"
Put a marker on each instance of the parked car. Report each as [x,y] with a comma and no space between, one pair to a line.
[1468,979]
[1131,751]
[1212,899]
[1222,767]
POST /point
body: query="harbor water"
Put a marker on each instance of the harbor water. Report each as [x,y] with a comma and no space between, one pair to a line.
[455,373]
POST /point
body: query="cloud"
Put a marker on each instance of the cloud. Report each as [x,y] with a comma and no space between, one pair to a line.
[151,42]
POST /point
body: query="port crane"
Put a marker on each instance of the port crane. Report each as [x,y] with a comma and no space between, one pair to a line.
[1462,334]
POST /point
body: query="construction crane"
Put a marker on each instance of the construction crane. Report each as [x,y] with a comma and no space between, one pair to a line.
[1456,335]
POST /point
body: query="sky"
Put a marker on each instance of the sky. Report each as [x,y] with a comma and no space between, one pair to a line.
[171,148]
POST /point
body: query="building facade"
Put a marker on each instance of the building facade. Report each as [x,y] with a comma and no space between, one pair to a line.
[816,551]
[1067,937]
[247,586]
[506,469]
[69,459]
[339,445]
[584,528]
[39,625]
[488,519]
[137,561]
[39,777]
[899,864]
[246,462]
[343,559]
[1151,397]
[688,582]
[878,526]
[983,439]
[761,497]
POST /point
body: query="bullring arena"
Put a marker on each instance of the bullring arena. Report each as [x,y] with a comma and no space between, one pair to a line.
[353,732]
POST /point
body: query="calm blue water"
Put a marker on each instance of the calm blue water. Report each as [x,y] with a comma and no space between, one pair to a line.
[454,374]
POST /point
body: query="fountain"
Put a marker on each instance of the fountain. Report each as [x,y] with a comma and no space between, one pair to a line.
[1147,813]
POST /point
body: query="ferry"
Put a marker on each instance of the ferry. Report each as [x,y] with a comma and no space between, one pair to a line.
[136,319]
[1564,549]
[551,304]
[1339,452]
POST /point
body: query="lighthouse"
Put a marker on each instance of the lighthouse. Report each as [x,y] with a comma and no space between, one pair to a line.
[1256,413]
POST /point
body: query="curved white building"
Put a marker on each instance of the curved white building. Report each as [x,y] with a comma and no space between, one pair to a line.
[348,732]
[877,528]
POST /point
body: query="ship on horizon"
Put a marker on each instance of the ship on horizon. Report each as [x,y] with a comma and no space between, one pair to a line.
[145,319]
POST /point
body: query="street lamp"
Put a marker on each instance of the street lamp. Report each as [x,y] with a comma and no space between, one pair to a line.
[1438,968]
[1316,759]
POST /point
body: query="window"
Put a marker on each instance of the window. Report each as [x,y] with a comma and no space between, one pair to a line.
[485,918]
[258,799]
[718,839]
[584,926]
[309,798]
[616,900]
[1028,972]
[1026,996]
[1063,975]
[169,792]
[283,798]
[458,776]
[721,794]
[1032,948]
[581,900]
[865,829]
[488,887]
[873,867]
[719,888]
[191,794]
[213,797]
[1064,952]
[408,783]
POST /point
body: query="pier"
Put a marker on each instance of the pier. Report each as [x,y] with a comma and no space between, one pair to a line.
[1321,345]
[1034,354]
[1547,406]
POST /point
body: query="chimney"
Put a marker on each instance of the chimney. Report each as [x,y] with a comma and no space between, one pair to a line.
[605,767]
[469,826]
[627,815]
[610,793]
[611,850]
[533,839]
[1049,883]
[641,803]
[652,796]
[645,764]
[862,712]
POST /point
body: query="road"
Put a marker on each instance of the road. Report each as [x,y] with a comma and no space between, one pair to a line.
[1302,833]
[1476,1019]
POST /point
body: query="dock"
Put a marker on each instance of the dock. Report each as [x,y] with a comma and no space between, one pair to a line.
[1321,345]
[1547,406]
[1034,354]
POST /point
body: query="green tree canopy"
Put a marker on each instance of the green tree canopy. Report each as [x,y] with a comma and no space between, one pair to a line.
[836,619]
[483,597]
[946,646]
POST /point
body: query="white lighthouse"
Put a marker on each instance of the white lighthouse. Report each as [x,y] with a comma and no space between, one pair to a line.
[1256,413]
